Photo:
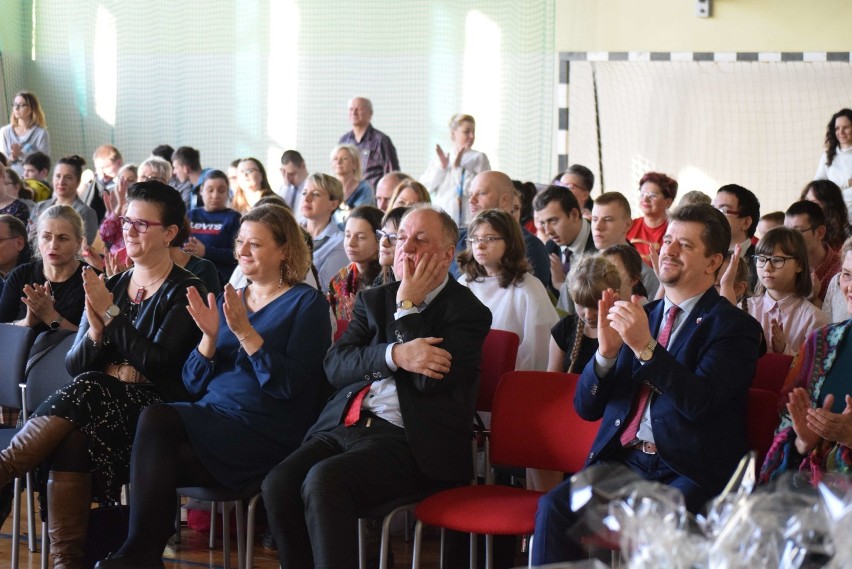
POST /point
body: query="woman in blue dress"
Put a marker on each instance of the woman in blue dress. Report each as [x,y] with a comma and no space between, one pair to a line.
[257,377]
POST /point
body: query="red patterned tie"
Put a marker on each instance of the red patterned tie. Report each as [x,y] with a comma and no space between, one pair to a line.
[635,417]
[354,411]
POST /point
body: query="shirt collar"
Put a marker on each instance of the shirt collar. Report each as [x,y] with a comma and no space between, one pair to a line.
[686,306]
[430,296]
[579,242]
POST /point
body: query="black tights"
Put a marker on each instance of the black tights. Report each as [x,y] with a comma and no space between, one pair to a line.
[162,461]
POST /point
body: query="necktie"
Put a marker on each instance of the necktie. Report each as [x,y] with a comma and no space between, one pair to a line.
[566,262]
[354,411]
[635,417]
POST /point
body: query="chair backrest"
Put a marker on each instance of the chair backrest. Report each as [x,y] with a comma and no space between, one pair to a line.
[49,373]
[534,424]
[499,355]
[771,372]
[342,325]
[761,421]
[16,342]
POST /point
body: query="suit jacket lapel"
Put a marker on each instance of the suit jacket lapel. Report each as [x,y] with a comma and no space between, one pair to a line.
[693,319]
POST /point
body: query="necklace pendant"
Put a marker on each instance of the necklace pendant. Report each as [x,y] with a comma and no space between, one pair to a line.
[140,295]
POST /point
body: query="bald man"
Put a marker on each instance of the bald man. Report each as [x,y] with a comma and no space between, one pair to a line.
[494,190]
[378,154]
[385,187]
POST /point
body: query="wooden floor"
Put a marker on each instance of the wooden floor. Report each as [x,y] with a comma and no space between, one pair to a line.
[193,551]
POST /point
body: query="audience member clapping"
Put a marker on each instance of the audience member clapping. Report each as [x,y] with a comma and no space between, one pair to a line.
[656,195]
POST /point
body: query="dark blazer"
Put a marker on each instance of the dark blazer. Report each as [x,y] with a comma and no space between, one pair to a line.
[438,414]
[701,388]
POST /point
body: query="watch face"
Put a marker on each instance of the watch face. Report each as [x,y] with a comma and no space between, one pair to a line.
[113,311]
[406,305]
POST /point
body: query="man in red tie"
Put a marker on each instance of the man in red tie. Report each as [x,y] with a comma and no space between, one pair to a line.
[407,373]
[669,381]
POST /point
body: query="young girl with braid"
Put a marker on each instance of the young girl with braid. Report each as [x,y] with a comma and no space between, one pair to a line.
[574,339]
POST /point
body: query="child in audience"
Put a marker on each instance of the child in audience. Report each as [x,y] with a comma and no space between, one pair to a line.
[781,302]
[362,249]
[574,339]
[628,263]
[495,268]
[214,226]
[732,283]
[769,221]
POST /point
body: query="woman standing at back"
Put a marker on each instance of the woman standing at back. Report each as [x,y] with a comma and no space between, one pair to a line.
[26,131]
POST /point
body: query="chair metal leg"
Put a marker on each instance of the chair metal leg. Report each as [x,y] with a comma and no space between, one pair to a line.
[384,547]
[212,537]
[415,554]
[45,546]
[252,509]
[241,536]
[362,543]
[31,521]
[489,549]
[226,535]
[16,523]
[473,551]
[441,549]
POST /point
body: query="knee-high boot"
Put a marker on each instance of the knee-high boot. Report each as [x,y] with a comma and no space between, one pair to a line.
[36,441]
[69,497]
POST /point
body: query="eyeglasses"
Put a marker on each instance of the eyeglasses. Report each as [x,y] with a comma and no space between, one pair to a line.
[140,225]
[727,210]
[650,196]
[776,262]
[486,240]
[20,105]
[805,230]
[390,237]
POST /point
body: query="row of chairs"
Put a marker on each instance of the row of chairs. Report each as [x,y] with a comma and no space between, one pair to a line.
[32,372]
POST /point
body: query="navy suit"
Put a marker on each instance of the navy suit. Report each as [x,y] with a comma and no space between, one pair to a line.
[698,411]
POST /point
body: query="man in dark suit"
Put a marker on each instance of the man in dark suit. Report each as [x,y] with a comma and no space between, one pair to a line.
[412,351]
[557,213]
[669,381]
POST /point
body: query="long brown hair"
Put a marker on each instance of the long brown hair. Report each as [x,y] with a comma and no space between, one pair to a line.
[514,263]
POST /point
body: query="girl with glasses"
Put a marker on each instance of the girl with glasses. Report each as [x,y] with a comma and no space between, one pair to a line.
[26,131]
[495,268]
[780,302]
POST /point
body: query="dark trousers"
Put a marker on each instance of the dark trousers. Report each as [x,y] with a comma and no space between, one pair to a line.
[313,498]
[555,519]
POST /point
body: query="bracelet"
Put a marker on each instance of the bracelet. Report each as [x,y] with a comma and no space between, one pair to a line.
[241,340]
[94,343]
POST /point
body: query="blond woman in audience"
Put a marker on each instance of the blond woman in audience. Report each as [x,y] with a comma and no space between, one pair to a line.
[449,175]
[346,165]
[26,131]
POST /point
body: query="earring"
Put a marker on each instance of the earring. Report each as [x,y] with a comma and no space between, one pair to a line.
[281,278]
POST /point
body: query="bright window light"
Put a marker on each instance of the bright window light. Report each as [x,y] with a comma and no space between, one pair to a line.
[482,92]
[105,61]
[282,78]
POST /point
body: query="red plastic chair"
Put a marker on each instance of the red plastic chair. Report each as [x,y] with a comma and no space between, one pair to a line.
[533,425]
[771,372]
[499,355]
[761,421]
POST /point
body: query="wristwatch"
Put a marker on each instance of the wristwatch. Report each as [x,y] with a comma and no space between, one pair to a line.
[648,351]
[404,305]
[111,312]
[56,323]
